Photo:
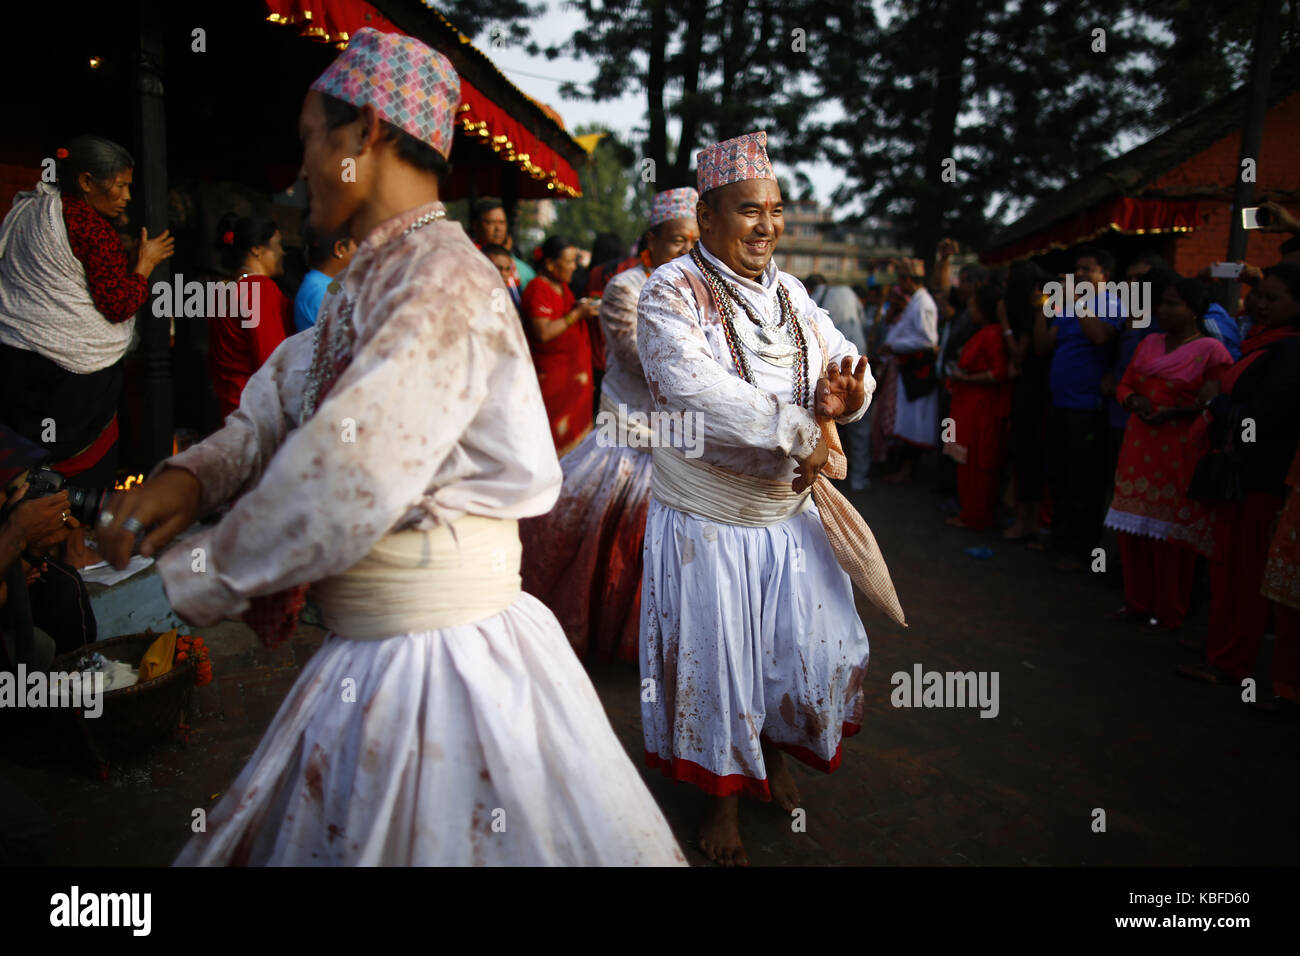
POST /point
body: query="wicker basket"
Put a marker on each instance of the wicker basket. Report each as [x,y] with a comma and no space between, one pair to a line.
[136,716]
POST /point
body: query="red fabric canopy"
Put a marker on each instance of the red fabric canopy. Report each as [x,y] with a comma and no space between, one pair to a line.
[1130,217]
[548,173]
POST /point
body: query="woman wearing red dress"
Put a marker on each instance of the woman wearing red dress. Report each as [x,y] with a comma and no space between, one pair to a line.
[561,343]
[238,344]
[981,403]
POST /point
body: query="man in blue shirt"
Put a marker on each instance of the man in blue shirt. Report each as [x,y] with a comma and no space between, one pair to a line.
[327,257]
[1081,344]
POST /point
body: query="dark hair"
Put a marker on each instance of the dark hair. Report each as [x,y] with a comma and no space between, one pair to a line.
[492,249]
[552,248]
[1194,296]
[974,273]
[987,298]
[1151,259]
[1023,277]
[1289,274]
[243,233]
[317,247]
[1098,255]
[710,197]
[484,206]
[409,149]
[609,245]
[100,157]
[814,280]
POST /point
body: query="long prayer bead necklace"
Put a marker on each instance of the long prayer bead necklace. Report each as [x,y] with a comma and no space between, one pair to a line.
[727,296]
[341,340]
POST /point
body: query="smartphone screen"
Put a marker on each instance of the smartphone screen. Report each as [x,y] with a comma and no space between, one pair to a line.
[1250,218]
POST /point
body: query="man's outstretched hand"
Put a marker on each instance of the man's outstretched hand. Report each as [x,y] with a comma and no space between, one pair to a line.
[843,390]
[165,505]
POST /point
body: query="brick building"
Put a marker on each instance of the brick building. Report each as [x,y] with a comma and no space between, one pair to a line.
[1171,195]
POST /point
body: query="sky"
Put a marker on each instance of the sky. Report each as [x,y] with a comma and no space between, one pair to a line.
[540,78]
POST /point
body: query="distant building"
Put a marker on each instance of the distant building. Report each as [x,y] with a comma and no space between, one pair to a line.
[812,242]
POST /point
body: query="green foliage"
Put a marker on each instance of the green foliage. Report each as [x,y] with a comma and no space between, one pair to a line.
[613,197]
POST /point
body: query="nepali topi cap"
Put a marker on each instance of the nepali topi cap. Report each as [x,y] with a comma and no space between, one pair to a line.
[408,84]
[673,204]
[732,161]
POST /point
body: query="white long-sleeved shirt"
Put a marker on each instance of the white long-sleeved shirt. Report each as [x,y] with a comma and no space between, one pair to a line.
[752,429]
[438,415]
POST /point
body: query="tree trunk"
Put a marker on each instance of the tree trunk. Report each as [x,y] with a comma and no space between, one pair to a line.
[690,108]
[945,105]
[657,141]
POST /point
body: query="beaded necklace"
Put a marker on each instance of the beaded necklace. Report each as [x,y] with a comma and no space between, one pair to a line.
[341,337]
[727,296]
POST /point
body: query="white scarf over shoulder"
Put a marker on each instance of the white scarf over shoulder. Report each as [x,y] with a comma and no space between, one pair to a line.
[45,301]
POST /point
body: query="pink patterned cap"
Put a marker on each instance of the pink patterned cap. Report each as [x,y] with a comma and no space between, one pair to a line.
[732,161]
[408,84]
[673,204]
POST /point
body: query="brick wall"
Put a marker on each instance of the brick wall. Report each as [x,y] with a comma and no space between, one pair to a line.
[1278,171]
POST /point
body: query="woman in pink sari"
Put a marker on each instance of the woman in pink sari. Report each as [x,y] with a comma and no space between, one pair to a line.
[1165,437]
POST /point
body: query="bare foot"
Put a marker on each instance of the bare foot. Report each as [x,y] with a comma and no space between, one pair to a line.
[719,834]
[784,791]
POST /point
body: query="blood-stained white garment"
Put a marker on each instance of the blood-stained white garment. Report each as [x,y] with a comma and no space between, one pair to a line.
[917,329]
[624,381]
[747,633]
[583,558]
[752,429]
[479,743]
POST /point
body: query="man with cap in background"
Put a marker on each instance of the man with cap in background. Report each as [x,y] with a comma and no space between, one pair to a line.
[384,458]
[583,559]
[750,642]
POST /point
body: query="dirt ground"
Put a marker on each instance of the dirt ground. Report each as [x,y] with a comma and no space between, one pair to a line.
[1092,716]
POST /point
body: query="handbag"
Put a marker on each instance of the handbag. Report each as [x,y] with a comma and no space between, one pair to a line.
[1217,476]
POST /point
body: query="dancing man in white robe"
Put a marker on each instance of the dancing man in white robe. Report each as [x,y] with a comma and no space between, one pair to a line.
[750,642]
[583,558]
[385,458]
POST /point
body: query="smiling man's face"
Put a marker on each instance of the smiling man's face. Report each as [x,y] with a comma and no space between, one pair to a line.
[743,225]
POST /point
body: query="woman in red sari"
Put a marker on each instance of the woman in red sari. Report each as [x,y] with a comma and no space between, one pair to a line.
[561,343]
[981,403]
[238,345]
[1163,440]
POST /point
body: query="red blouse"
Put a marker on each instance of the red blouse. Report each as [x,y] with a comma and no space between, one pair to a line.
[236,352]
[116,291]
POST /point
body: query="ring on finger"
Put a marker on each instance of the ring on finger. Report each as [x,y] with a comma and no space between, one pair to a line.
[134,526]
[105,518]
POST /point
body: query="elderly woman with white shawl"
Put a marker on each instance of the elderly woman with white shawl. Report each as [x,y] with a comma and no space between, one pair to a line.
[68,298]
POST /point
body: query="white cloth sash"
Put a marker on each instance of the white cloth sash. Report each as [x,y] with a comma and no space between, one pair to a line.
[425,580]
[644,435]
[707,491]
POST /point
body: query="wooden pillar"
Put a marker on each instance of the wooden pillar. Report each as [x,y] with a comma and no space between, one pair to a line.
[151,188]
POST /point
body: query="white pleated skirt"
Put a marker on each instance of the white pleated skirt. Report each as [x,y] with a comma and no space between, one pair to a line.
[483,744]
[747,634]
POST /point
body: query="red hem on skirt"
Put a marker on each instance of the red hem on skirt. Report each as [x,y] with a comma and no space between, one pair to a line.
[737,784]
